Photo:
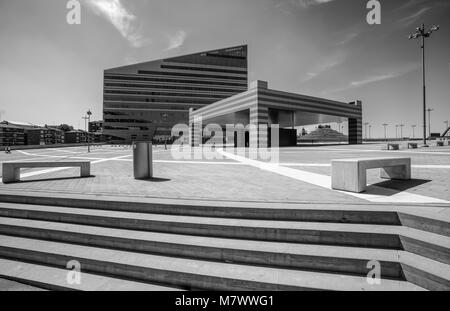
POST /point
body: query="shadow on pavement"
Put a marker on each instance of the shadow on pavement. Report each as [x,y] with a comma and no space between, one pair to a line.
[156,179]
[401,185]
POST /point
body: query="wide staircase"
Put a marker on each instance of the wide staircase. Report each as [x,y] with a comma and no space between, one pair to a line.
[123,245]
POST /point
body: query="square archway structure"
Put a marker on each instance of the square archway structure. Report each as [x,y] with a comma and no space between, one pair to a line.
[259,100]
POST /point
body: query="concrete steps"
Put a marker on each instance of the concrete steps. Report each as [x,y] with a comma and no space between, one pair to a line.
[353,235]
[185,273]
[377,214]
[345,260]
[277,231]
[158,245]
[52,278]
[242,210]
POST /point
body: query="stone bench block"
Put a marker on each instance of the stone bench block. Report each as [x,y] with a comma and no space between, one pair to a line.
[11,171]
[350,174]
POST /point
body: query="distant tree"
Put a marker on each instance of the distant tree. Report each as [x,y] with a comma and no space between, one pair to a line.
[65,127]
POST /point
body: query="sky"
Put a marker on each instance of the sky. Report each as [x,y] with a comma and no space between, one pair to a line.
[52,72]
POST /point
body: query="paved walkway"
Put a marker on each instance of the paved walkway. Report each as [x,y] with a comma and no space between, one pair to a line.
[229,178]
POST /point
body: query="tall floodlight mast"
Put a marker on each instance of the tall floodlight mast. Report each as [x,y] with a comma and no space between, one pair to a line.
[423,34]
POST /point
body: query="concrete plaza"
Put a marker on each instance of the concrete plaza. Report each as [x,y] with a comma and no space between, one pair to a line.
[301,176]
[228,223]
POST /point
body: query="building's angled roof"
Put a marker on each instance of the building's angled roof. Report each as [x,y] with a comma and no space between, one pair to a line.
[235,56]
[24,124]
[10,126]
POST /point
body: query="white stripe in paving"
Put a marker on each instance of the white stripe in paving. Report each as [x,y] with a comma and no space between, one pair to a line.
[185,162]
[67,151]
[374,193]
[368,150]
[432,166]
[50,156]
[329,165]
[42,155]
[28,154]
[305,164]
[22,160]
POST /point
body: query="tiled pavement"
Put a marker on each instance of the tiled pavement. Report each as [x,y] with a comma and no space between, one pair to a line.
[227,180]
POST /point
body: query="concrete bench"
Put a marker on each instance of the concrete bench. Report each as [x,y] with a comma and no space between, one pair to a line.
[11,171]
[393,146]
[350,174]
[412,145]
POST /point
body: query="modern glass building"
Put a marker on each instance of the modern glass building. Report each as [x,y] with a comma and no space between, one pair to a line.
[144,101]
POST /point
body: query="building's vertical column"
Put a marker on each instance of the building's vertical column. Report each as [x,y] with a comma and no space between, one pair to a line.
[293,119]
[259,123]
[355,131]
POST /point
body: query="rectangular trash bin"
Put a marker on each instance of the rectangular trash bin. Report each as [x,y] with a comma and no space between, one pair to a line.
[143,160]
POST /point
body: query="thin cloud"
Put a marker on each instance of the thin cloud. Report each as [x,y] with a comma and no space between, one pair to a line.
[308,3]
[411,3]
[411,19]
[122,19]
[325,66]
[420,3]
[373,79]
[376,78]
[285,6]
[349,38]
[176,40]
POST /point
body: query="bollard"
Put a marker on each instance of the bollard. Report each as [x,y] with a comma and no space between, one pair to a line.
[142,160]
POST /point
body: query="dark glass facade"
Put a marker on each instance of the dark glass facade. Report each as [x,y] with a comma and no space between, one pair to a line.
[11,135]
[144,101]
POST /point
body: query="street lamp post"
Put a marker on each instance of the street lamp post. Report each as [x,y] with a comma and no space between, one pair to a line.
[89,114]
[385,133]
[370,131]
[85,127]
[429,121]
[422,33]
